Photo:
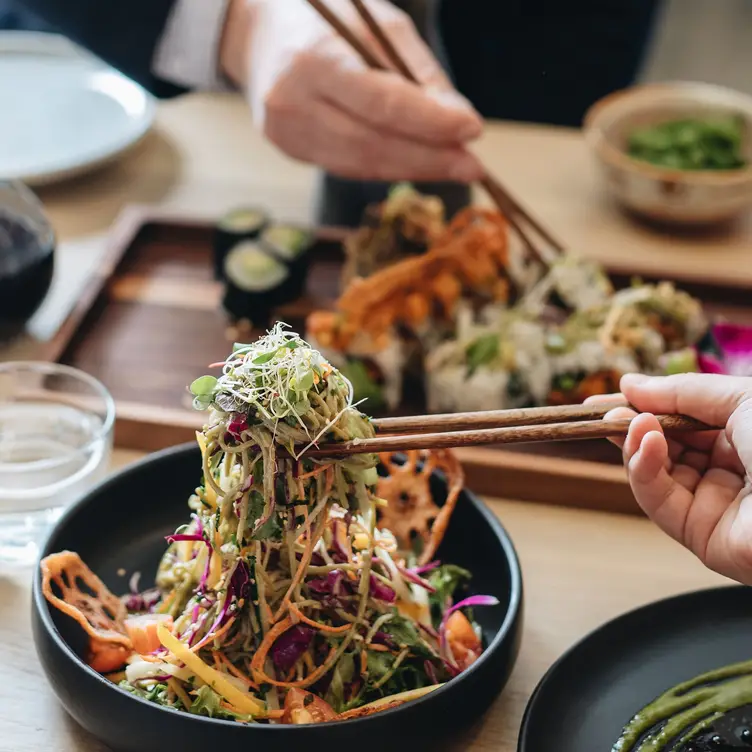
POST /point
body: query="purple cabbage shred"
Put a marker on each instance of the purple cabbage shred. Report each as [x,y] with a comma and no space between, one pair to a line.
[289,648]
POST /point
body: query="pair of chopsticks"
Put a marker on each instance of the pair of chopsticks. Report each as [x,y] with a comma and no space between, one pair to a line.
[519,426]
[517,216]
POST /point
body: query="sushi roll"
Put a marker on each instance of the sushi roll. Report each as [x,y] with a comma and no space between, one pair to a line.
[254,283]
[290,245]
[235,226]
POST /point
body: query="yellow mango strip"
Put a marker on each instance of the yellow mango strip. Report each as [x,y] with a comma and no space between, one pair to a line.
[243,702]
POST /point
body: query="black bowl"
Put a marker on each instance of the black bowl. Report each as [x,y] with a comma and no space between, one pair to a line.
[121,524]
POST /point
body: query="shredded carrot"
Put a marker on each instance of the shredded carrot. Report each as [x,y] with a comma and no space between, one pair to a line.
[310,665]
[363,662]
[378,648]
[276,631]
[316,471]
[296,612]
[215,636]
[236,672]
[174,685]
[167,602]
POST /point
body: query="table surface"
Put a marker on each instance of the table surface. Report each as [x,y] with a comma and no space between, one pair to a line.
[580,568]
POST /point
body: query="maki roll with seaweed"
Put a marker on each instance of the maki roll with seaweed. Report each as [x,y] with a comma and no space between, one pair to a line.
[290,245]
[255,283]
[237,225]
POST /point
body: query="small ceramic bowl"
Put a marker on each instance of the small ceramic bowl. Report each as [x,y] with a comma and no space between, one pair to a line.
[660,193]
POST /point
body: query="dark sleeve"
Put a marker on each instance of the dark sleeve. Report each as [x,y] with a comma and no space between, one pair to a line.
[545,60]
[124,33]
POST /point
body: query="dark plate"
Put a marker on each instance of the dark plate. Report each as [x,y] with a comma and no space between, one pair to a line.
[122,524]
[593,690]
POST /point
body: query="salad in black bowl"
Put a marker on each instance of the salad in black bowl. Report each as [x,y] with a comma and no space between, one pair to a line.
[300,597]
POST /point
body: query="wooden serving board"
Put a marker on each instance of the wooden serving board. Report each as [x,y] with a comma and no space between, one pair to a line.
[150,321]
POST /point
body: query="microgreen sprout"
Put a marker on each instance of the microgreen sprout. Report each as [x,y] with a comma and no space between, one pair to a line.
[272,378]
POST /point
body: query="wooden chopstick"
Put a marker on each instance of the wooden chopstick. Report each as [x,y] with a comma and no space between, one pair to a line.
[523,416]
[506,204]
[386,43]
[569,431]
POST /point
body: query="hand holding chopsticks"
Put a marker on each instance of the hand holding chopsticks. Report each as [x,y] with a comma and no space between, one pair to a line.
[520,426]
[521,220]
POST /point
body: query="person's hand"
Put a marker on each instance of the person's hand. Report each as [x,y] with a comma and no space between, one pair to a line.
[318,102]
[696,485]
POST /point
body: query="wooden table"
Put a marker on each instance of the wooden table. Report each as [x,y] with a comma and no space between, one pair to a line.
[580,568]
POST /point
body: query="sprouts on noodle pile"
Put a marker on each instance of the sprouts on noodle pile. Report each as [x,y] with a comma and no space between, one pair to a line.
[282,599]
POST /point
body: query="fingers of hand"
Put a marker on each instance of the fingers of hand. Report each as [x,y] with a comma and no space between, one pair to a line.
[345,147]
[618,413]
[714,495]
[658,494]
[707,397]
[413,50]
[601,399]
[724,456]
[640,426]
[738,435]
[389,103]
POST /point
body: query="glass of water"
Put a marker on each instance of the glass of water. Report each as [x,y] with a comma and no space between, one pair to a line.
[56,426]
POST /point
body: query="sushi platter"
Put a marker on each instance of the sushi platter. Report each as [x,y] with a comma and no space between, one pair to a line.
[167,280]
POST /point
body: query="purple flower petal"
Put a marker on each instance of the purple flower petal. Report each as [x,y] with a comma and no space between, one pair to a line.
[733,338]
[735,342]
[710,364]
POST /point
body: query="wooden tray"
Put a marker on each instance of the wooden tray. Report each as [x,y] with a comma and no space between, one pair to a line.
[150,321]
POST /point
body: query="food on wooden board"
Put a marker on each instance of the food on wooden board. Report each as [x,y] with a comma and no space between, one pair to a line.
[484,326]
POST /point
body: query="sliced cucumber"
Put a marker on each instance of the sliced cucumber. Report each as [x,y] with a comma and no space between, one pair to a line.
[243,221]
[252,270]
[287,242]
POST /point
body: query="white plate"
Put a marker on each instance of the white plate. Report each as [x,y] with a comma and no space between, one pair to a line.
[63,111]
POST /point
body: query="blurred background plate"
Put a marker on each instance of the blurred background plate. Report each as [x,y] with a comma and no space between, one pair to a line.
[63,111]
